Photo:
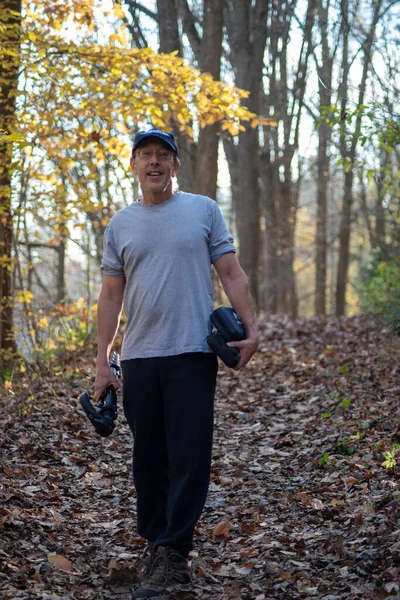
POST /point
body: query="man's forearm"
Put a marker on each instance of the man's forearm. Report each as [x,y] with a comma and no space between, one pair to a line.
[108,318]
[238,293]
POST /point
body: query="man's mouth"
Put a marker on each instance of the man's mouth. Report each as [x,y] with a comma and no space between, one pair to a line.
[154,173]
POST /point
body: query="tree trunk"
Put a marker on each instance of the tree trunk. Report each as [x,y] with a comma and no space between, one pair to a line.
[210,62]
[248,209]
[269,287]
[348,149]
[199,162]
[284,103]
[322,212]
[60,283]
[168,27]
[247,32]
[380,225]
[344,241]
[170,41]
[324,139]
[10,30]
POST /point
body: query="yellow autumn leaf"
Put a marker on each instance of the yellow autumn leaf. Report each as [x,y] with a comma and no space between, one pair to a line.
[118,11]
[24,296]
[43,322]
[80,302]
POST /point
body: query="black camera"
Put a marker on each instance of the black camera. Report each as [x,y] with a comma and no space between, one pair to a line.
[104,415]
[229,328]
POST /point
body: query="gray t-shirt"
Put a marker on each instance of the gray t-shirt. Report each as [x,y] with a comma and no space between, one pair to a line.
[165,252]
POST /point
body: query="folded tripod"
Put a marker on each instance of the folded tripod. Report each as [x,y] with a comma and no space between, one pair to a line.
[104,415]
[229,328]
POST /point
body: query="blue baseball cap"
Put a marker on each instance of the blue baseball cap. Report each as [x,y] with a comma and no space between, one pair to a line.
[167,138]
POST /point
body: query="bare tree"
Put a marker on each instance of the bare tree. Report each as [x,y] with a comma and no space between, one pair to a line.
[199,168]
[348,146]
[283,101]
[10,30]
[247,30]
[328,45]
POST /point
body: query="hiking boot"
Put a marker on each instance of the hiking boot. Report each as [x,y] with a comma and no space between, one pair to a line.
[144,564]
[169,569]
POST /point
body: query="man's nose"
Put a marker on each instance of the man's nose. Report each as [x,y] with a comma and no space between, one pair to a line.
[154,158]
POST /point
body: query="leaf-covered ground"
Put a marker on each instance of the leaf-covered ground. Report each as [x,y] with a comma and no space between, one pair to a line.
[300,505]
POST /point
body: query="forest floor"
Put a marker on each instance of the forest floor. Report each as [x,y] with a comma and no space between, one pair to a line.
[300,505]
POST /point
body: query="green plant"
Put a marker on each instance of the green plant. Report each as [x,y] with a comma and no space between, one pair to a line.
[390,461]
[326,415]
[380,287]
[345,403]
[340,403]
[325,459]
[348,444]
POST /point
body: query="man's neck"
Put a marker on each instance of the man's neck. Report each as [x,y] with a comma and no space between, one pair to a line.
[150,198]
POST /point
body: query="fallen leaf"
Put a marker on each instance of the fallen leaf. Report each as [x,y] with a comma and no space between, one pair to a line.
[221,530]
[60,562]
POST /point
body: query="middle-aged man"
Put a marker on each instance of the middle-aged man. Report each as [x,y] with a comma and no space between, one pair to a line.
[157,262]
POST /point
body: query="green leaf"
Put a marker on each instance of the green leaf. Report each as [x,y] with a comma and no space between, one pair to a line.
[324,459]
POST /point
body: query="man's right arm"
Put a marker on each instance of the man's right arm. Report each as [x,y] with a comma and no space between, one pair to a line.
[109,311]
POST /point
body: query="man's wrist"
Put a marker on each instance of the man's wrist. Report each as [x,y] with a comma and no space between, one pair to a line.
[251,333]
[102,362]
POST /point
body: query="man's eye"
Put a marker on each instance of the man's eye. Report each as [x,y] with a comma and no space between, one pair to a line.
[163,155]
[146,153]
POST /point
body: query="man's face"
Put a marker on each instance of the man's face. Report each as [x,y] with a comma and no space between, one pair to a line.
[155,172]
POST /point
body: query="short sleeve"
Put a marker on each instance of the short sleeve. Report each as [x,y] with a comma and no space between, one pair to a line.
[220,241]
[111,263]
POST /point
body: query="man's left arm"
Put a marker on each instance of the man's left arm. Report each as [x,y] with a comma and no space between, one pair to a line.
[235,284]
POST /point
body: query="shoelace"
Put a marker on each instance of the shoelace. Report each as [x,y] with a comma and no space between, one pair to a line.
[147,555]
[160,568]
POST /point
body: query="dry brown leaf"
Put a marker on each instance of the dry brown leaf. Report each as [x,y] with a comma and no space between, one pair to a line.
[221,530]
[121,574]
[305,498]
[232,592]
[60,562]
[351,481]
[272,568]
[336,502]
[113,565]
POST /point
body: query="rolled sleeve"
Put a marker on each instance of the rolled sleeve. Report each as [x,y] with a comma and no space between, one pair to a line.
[220,241]
[111,263]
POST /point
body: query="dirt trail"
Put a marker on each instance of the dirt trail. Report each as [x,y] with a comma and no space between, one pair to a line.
[300,505]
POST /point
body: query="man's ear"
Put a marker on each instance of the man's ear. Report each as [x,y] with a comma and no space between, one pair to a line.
[132,163]
[177,166]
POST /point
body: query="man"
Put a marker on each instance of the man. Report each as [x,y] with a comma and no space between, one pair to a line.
[157,260]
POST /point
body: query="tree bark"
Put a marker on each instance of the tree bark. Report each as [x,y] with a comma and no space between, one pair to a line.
[247,32]
[323,161]
[348,149]
[283,103]
[210,62]
[10,31]
[168,27]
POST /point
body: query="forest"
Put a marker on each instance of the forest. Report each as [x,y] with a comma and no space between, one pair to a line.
[286,113]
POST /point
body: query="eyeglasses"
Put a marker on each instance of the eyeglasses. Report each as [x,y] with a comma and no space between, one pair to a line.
[148,154]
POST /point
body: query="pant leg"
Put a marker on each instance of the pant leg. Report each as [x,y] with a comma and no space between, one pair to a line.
[144,410]
[188,385]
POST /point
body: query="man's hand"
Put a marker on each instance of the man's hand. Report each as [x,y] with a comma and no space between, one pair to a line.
[247,348]
[236,287]
[104,378]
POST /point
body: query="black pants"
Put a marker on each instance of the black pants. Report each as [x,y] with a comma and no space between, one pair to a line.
[169,405]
